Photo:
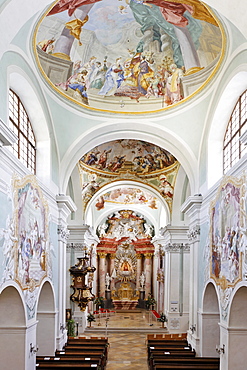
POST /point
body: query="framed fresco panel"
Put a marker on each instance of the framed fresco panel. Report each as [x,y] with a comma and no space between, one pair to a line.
[31,228]
[226,224]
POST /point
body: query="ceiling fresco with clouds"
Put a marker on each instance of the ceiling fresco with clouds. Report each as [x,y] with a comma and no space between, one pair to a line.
[128,56]
[132,160]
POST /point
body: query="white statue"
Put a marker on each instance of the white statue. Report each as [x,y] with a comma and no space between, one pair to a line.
[107,281]
[142,280]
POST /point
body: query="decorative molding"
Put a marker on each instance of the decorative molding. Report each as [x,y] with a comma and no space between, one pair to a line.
[75,246]
[63,232]
[194,233]
[176,247]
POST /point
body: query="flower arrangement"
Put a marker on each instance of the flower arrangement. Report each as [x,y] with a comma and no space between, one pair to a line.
[150,301]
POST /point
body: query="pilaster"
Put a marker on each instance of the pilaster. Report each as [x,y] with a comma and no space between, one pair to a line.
[192,208]
[65,207]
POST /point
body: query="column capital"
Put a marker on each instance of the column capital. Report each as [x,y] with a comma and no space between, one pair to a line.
[112,256]
[139,256]
[63,233]
[102,255]
[148,255]
[194,233]
[177,247]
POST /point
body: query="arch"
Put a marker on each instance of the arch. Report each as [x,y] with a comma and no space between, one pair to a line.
[46,317]
[117,184]
[150,132]
[19,83]
[227,101]
[210,321]
[12,329]
[237,329]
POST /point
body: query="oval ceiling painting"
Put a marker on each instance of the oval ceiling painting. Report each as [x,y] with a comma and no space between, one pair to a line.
[128,56]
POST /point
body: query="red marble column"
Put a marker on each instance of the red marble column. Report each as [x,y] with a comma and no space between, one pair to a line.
[148,273]
[102,273]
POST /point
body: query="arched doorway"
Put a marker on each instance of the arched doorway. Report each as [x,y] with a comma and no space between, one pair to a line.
[237,331]
[46,317]
[12,330]
[210,322]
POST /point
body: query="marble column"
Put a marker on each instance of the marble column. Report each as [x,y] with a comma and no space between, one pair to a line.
[138,270]
[112,265]
[102,273]
[148,273]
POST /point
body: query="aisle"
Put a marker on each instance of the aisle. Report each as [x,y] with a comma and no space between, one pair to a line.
[127,351]
[127,332]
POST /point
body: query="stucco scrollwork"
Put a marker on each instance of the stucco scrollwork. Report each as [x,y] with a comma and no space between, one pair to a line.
[63,232]
[194,233]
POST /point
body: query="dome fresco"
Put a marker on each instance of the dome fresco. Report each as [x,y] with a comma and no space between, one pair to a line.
[128,56]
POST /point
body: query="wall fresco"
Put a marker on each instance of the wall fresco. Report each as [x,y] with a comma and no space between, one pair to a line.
[26,244]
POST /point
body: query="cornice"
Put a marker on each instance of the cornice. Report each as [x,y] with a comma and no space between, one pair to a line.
[7,137]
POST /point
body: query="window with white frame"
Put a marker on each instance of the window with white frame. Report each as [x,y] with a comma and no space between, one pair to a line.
[233,149]
[25,147]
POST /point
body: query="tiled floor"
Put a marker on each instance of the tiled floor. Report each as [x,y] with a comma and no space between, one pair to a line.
[127,350]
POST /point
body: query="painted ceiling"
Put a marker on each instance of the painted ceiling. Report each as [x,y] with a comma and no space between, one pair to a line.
[137,161]
[128,57]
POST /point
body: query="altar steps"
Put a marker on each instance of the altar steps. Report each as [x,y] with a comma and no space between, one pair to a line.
[101,330]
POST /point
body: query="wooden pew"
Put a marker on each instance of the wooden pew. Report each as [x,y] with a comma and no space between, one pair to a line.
[99,360]
[211,362]
[59,365]
[186,367]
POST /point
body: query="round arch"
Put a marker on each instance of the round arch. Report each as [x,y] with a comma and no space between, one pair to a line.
[228,98]
[133,129]
[210,318]
[118,184]
[20,83]
[236,333]
[46,317]
[12,329]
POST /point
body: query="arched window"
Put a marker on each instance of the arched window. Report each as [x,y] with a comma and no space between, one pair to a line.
[233,149]
[25,147]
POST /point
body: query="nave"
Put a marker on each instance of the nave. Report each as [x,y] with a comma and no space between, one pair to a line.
[127,340]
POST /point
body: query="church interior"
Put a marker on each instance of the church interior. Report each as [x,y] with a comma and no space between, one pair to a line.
[123,185]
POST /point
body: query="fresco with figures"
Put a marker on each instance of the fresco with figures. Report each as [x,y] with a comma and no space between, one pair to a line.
[26,246]
[127,195]
[227,237]
[225,249]
[128,159]
[128,56]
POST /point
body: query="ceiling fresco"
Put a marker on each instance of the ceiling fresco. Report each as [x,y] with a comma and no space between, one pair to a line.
[127,195]
[131,160]
[127,56]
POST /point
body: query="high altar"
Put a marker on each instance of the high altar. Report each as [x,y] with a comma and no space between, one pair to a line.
[125,256]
